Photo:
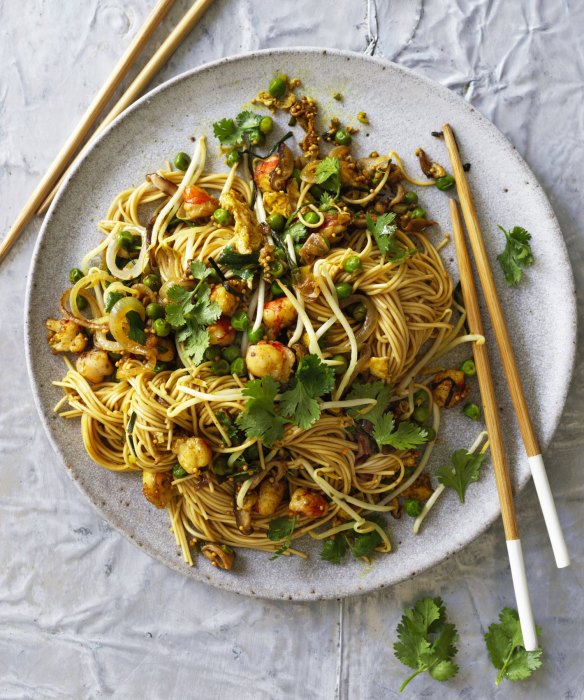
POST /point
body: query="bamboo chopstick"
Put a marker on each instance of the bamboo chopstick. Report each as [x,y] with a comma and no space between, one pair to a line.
[93,111]
[500,466]
[526,429]
[158,60]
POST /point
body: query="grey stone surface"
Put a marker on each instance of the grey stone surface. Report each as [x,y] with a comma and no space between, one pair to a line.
[85,614]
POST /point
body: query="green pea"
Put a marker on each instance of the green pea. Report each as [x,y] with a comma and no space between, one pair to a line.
[469,368]
[342,368]
[238,367]
[420,414]
[111,298]
[400,208]
[161,327]
[411,198]
[222,217]
[445,183]
[278,86]
[212,353]
[431,434]
[178,472]
[277,268]
[125,239]
[343,138]
[352,264]
[154,310]
[276,222]
[420,397]
[311,217]
[160,367]
[182,161]
[230,353]
[256,137]
[472,411]
[418,213]
[358,311]
[276,290]
[233,157]
[256,335]
[266,125]
[75,274]
[344,290]
[413,507]
[220,367]
[152,281]
[82,303]
[240,321]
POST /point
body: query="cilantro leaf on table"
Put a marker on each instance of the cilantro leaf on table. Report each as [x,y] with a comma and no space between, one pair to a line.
[328,174]
[465,469]
[516,255]
[383,231]
[426,641]
[405,437]
[190,312]
[312,379]
[136,327]
[259,419]
[335,549]
[281,529]
[505,645]
[233,132]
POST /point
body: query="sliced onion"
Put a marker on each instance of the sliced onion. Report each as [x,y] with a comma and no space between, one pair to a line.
[100,341]
[308,173]
[79,320]
[118,324]
[368,325]
[162,184]
[135,268]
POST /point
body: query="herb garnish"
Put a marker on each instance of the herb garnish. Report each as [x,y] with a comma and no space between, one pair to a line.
[328,175]
[243,265]
[507,651]
[383,231]
[361,544]
[462,472]
[517,254]
[313,379]
[233,133]
[427,641]
[281,529]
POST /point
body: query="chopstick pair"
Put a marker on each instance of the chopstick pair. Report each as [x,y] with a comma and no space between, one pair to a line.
[44,193]
[488,397]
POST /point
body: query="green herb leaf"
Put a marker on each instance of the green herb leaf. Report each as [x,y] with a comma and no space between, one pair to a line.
[297,232]
[111,298]
[464,470]
[326,202]
[281,529]
[248,120]
[199,270]
[243,265]
[375,390]
[313,379]
[334,550]
[363,544]
[232,133]
[136,329]
[328,174]
[426,641]
[260,420]
[516,255]
[405,437]
[227,424]
[505,646]
[383,231]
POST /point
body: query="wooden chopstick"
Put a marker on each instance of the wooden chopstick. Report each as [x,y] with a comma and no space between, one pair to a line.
[500,465]
[158,60]
[526,429]
[93,111]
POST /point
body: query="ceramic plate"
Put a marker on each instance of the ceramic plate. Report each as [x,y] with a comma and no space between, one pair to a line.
[403,110]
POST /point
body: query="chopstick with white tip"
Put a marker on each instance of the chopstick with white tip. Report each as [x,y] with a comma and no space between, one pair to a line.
[87,121]
[492,420]
[526,429]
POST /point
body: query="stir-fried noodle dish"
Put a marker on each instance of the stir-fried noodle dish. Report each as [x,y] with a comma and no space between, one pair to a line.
[265,345]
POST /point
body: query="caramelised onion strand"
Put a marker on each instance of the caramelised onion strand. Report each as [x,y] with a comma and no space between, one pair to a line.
[79,320]
[118,324]
[368,325]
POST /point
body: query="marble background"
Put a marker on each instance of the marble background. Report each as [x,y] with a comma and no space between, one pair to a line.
[83,613]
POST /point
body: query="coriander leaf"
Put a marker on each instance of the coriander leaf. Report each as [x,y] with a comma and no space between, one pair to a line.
[375,390]
[281,529]
[243,265]
[405,437]
[199,270]
[313,379]
[297,232]
[466,470]
[227,424]
[505,646]
[516,254]
[364,544]
[203,311]
[248,120]
[427,641]
[326,202]
[328,174]
[259,419]
[195,339]
[227,133]
[334,550]
[174,315]
[383,231]
[136,327]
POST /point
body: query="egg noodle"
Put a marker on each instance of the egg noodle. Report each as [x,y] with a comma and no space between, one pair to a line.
[392,322]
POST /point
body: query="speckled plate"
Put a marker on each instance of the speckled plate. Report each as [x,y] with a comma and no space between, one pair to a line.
[403,109]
